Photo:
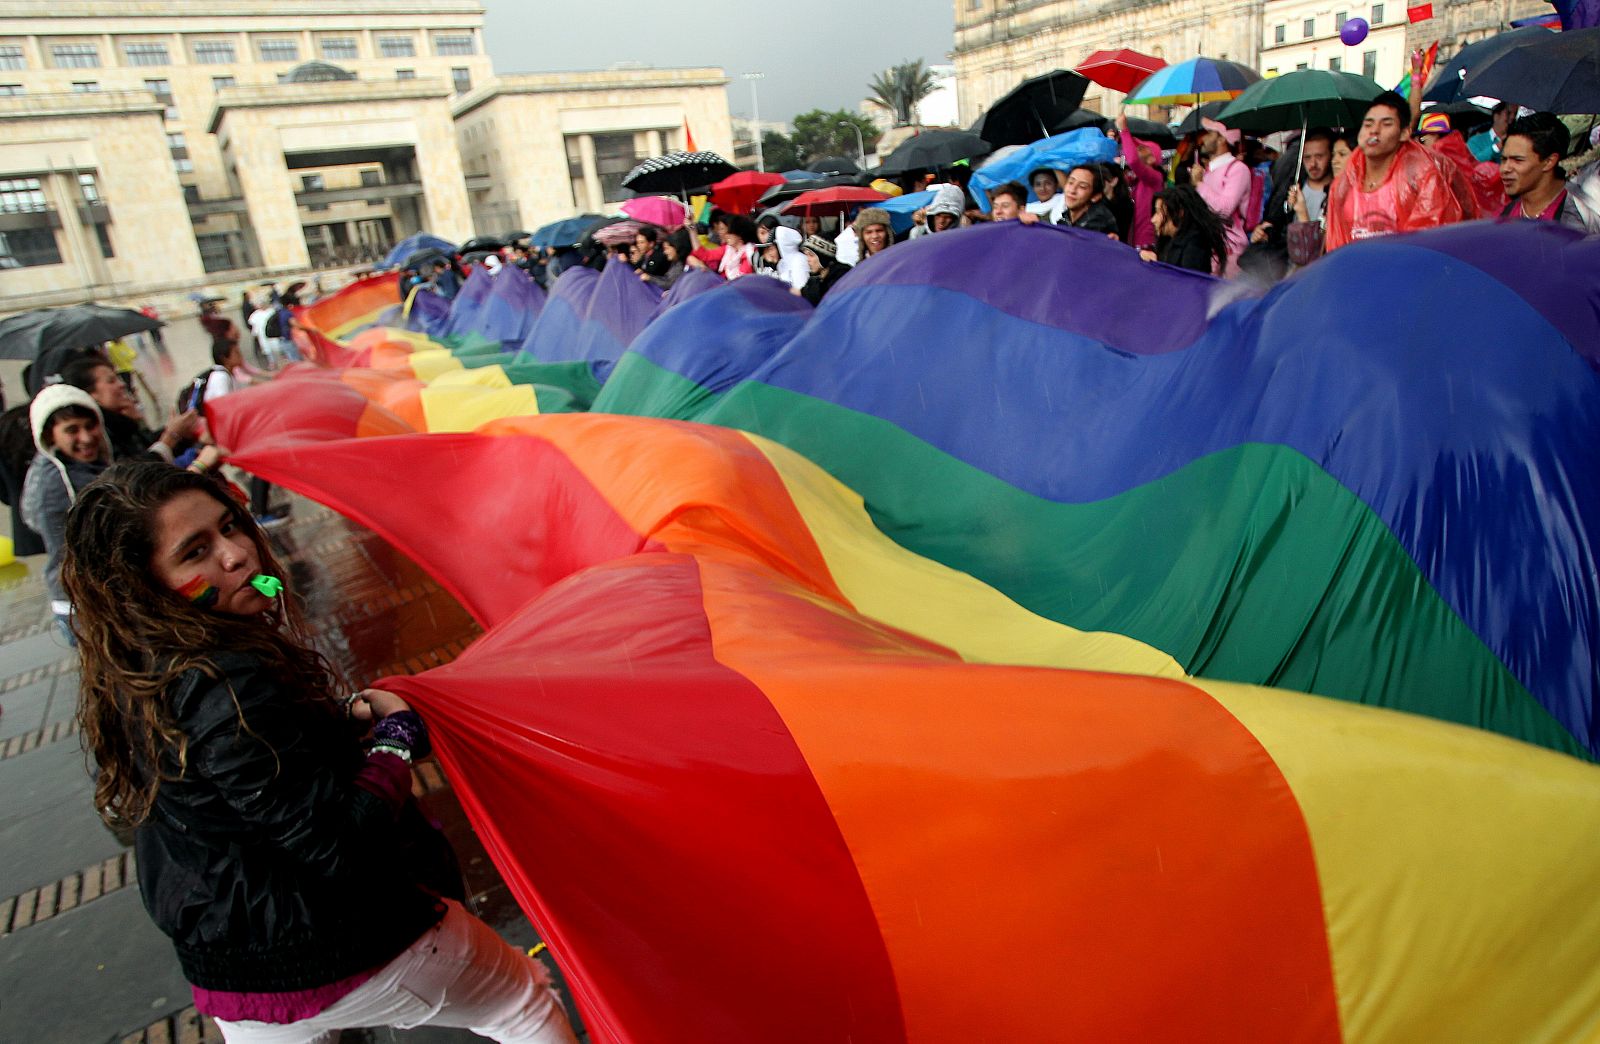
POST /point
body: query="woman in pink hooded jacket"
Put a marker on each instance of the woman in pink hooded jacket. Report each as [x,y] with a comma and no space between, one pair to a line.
[1144,164]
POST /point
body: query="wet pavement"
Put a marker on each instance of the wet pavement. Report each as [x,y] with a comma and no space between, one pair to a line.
[80,962]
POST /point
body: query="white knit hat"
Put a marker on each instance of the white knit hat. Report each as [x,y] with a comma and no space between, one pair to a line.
[51,398]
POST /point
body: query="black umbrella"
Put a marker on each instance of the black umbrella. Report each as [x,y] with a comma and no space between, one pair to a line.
[27,335]
[1447,82]
[933,150]
[1150,130]
[478,244]
[1558,72]
[834,165]
[676,173]
[424,256]
[1033,109]
[790,189]
[1191,122]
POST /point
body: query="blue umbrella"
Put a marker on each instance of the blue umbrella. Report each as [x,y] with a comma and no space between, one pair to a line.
[1059,152]
[1192,82]
[565,233]
[410,245]
[900,208]
[802,175]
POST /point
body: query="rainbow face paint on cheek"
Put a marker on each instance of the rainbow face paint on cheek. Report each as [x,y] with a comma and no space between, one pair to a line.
[200,592]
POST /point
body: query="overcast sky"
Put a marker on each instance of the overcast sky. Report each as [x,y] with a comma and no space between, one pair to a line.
[815,54]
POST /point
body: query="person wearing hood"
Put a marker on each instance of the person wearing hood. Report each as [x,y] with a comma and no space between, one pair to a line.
[943,213]
[874,231]
[69,433]
[1144,168]
[791,268]
[824,265]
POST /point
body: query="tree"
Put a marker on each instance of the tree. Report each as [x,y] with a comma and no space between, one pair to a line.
[818,134]
[779,152]
[898,90]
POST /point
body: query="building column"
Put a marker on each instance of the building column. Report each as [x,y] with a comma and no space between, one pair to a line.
[653,142]
[268,190]
[591,174]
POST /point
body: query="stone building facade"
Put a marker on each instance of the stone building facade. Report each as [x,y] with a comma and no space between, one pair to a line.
[1000,42]
[263,136]
[541,146]
[1304,34]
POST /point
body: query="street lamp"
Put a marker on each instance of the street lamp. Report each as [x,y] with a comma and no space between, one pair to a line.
[861,149]
[755,117]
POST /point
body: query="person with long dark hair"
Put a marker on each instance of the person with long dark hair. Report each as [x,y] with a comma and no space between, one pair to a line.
[300,885]
[1191,235]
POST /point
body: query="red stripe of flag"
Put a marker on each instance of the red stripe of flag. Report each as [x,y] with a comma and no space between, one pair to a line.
[1420,12]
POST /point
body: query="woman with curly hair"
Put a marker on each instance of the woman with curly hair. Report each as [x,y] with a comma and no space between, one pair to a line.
[300,885]
[1191,234]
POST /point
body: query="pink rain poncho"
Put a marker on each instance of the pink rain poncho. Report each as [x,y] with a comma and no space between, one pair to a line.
[1414,195]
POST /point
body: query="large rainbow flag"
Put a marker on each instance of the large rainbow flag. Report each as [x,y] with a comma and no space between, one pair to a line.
[1028,644]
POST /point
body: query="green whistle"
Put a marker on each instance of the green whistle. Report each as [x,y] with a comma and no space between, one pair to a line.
[270,586]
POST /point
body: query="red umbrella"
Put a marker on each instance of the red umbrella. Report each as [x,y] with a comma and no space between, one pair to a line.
[829,201]
[737,193]
[1121,69]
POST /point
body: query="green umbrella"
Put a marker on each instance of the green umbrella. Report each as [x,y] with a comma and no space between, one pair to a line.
[1306,97]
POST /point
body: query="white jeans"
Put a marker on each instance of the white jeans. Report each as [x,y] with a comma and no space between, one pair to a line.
[459,973]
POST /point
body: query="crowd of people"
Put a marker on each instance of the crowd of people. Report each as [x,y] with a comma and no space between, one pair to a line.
[1219,202]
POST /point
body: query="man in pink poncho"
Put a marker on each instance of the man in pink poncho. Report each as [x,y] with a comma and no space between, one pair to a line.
[1223,181]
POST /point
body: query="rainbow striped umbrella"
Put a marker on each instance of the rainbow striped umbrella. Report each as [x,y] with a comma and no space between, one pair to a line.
[1194,81]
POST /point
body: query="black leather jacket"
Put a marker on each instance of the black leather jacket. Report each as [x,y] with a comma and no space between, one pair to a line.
[263,861]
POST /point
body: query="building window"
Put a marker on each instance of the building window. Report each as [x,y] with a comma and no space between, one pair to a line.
[1369,64]
[1335,64]
[85,87]
[219,82]
[102,233]
[1339,19]
[177,141]
[22,196]
[397,46]
[454,45]
[1279,33]
[1309,28]
[462,79]
[146,54]
[183,166]
[338,47]
[405,74]
[278,50]
[76,56]
[11,57]
[371,178]
[1301,65]
[312,183]
[1377,13]
[162,89]
[11,90]
[191,194]
[28,248]
[89,187]
[214,52]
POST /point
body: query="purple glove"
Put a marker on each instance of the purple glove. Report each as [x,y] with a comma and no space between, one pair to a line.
[404,730]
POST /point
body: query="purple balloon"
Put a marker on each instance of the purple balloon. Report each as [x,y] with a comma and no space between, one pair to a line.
[1353,31]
